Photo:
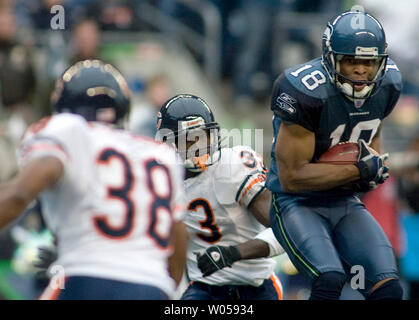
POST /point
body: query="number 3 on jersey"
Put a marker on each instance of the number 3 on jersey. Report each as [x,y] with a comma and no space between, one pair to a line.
[208,222]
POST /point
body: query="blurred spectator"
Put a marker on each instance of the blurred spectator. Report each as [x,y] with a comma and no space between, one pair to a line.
[251,23]
[41,14]
[143,118]
[408,192]
[383,204]
[17,77]
[117,15]
[36,14]
[85,41]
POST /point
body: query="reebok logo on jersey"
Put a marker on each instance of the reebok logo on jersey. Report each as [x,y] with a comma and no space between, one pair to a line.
[215,256]
[287,98]
[285,102]
[285,106]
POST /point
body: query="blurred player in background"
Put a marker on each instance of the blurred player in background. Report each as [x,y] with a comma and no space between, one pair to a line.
[227,204]
[342,96]
[108,196]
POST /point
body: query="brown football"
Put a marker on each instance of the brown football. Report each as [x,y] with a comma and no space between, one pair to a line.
[342,153]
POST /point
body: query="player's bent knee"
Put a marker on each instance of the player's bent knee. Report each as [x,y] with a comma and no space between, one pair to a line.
[390,290]
[328,286]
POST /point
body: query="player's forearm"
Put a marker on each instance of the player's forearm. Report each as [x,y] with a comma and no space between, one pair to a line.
[317,177]
[376,141]
[177,261]
[19,192]
[253,249]
[12,203]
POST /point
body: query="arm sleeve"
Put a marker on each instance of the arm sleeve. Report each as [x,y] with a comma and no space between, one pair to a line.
[241,177]
[54,136]
[268,236]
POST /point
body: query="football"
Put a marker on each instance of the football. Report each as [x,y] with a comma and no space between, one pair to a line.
[342,153]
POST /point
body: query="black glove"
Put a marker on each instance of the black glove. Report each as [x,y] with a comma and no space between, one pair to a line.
[46,256]
[216,258]
[372,169]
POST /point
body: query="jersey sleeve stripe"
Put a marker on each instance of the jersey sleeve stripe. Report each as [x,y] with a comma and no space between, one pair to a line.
[251,174]
[43,147]
[251,184]
[256,195]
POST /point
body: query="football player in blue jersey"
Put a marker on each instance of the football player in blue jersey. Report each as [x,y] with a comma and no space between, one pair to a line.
[344,95]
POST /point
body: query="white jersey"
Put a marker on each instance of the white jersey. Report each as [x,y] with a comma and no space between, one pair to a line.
[113,208]
[217,201]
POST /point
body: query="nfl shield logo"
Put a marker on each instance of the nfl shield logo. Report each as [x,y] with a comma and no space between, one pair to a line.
[358,103]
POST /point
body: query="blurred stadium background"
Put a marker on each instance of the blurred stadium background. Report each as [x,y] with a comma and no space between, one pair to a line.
[229,53]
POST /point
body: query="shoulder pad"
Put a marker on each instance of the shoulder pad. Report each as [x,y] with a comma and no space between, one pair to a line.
[310,79]
[393,75]
[234,172]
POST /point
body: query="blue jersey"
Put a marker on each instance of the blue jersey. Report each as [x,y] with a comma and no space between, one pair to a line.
[304,95]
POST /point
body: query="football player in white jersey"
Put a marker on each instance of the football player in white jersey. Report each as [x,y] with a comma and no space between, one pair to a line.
[110,197]
[227,205]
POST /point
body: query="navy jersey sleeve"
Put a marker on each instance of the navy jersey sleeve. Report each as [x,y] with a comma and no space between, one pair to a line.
[293,106]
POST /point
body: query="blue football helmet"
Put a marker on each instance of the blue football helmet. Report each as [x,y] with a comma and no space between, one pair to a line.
[181,119]
[93,89]
[361,36]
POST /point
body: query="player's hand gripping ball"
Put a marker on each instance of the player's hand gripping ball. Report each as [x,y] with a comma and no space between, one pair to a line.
[371,165]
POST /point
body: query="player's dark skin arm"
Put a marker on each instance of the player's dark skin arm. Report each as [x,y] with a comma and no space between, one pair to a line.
[177,261]
[260,208]
[294,151]
[376,141]
[253,249]
[20,191]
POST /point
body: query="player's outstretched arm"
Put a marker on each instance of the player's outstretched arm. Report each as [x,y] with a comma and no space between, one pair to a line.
[294,151]
[218,257]
[261,206]
[177,261]
[20,191]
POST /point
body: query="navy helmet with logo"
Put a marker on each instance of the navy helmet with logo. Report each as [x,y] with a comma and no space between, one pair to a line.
[183,118]
[361,36]
[93,89]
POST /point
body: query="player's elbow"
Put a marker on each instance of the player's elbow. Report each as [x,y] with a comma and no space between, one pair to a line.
[289,182]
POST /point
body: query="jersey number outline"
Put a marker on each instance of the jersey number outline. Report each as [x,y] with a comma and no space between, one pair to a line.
[311,80]
[159,201]
[123,194]
[208,222]
[369,125]
[251,160]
